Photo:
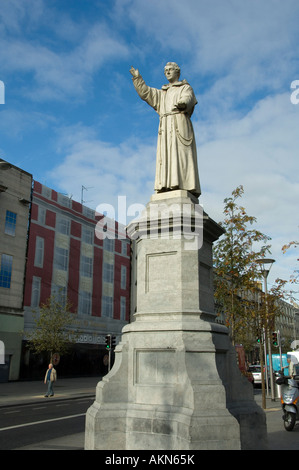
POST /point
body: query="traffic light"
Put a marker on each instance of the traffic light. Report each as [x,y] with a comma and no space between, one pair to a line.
[108,342]
[113,342]
[258,336]
[274,338]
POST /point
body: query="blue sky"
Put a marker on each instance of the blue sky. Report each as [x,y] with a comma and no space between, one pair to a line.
[72,117]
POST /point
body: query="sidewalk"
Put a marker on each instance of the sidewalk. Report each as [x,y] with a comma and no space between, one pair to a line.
[20,393]
[32,392]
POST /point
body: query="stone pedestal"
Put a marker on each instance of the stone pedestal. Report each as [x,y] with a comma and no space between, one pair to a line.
[175,384]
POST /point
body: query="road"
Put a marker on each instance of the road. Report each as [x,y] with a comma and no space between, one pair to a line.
[278,437]
[26,425]
[22,425]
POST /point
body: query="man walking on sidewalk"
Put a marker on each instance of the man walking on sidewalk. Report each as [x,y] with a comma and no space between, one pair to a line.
[50,378]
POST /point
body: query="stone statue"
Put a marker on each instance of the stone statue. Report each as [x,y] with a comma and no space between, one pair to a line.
[176,165]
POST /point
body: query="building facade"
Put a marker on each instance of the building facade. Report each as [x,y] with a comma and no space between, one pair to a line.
[287,323]
[69,258]
[15,197]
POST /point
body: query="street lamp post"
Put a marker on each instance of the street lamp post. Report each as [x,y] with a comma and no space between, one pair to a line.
[265,265]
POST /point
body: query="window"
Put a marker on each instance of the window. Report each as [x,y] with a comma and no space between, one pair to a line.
[63,226]
[46,192]
[123,282]
[108,244]
[87,235]
[35,293]
[124,246]
[10,223]
[122,308]
[64,200]
[107,306]
[108,273]
[90,213]
[59,293]
[86,266]
[39,252]
[61,258]
[5,271]
[41,215]
[85,303]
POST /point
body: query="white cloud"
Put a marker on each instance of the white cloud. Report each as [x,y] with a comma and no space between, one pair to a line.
[239,47]
[58,72]
[260,152]
[106,170]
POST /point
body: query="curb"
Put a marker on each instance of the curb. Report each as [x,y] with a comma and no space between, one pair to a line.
[38,401]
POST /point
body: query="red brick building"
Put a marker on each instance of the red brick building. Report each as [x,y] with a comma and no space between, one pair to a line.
[66,258]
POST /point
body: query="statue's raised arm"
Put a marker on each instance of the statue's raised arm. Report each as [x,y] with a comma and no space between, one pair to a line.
[176,165]
[134,72]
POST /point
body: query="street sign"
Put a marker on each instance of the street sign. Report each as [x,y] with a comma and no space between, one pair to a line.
[55,359]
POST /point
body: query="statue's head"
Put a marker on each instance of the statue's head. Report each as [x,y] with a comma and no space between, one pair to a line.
[172,69]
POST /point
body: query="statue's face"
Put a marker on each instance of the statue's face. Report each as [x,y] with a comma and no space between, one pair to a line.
[171,73]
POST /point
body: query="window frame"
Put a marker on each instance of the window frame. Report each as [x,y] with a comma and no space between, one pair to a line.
[10,223]
[6,274]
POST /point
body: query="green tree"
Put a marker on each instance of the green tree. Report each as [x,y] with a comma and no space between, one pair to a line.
[236,270]
[53,332]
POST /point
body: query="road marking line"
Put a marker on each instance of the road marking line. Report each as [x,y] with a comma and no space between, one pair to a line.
[41,422]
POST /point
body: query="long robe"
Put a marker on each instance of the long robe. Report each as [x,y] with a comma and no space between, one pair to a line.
[176,164]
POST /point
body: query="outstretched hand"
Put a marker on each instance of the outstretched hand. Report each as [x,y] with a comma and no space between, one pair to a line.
[134,72]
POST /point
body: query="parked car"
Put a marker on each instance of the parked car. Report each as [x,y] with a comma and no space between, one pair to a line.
[257,374]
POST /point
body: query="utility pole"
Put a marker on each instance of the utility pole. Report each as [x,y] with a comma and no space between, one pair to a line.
[108,348]
[83,188]
[279,345]
[110,345]
[265,271]
[262,363]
